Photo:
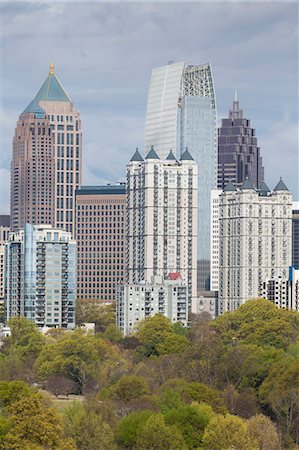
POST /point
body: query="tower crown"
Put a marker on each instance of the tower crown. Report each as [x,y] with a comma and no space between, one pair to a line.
[52,90]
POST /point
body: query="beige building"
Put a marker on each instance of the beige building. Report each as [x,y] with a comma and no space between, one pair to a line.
[100,236]
[161,219]
[255,241]
[47,158]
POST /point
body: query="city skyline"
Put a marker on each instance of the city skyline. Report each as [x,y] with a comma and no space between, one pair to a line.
[107,73]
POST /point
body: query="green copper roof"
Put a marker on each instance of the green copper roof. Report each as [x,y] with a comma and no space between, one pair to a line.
[136,157]
[186,156]
[280,186]
[52,89]
[34,108]
[152,154]
[247,185]
[229,187]
[263,190]
[170,156]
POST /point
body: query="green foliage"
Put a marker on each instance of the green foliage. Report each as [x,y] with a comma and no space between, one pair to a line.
[158,336]
[202,393]
[129,387]
[12,391]
[113,333]
[130,427]
[228,432]
[93,311]
[156,435]
[262,430]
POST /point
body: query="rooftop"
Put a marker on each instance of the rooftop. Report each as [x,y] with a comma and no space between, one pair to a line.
[52,90]
[109,189]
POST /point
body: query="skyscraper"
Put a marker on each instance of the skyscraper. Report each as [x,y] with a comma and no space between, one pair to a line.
[100,236]
[4,232]
[295,235]
[40,276]
[161,218]
[47,155]
[181,112]
[238,153]
[255,240]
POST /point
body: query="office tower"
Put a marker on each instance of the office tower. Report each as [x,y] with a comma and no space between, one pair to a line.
[4,232]
[295,235]
[181,112]
[136,302]
[283,292]
[214,258]
[49,140]
[238,153]
[40,276]
[100,236]
[161,218]
[255,240]
[32,169]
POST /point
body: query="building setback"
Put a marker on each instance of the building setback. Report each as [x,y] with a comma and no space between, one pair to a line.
[40,276]
[136,302]
[238,153]
[255,240]
[47,158]
[161,218]
[180,114]
[100,236]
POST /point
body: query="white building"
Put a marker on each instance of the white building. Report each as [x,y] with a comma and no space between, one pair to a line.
[136,302]
[40,276]
[4,232]
[255,241]
[214,258]
[161,218]
[284,293]
[181,112]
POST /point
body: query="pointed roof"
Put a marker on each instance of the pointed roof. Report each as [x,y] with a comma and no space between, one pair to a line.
[152,154]
[280,186]
[264,188]
[247,185]
[229,187]
[34,108]
[186,156]
[52,90]
[136,156]
[170,156]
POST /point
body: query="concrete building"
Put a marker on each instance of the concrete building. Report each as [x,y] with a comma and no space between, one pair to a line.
[136,302]
[283,292]
[100,236]
[255,240]
[295,235]
[47,158]
[161,218]
[40,276]
[238,152]
[4,232]
[180,114]
[214,258]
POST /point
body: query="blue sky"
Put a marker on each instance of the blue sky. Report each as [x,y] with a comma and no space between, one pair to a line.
[104,54]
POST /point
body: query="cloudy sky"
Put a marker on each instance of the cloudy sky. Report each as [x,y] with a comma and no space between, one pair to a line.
[104,54]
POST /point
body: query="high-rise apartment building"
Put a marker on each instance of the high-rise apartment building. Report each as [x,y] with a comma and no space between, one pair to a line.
[238,153]
[136,302]
[100,236]
[255,240]
[295,235]
[214,284]
[161,218]
[4,232]
[47,155]
[283,292]
[40,276]
[181,112]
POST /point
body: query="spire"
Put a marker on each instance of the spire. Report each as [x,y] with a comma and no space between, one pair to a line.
[152,154]
[52,90]
[280,186]
[229,187]
[136,157]
[263,190]
[236,95]
[170,156]
[247,185]
[35,109]
[186,156]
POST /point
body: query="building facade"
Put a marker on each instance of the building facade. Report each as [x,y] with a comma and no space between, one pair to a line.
[181,113]
[161,218]
[214,258]
[283,292]
[255,241]
[295,235]
[4,232]
[47,159]
[238,152]
[136,302]
[40,276]
[100,236]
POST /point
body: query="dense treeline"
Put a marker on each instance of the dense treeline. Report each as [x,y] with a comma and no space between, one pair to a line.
[232,383]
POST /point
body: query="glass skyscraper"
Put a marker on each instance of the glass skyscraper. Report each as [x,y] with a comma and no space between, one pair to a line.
[181,112]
